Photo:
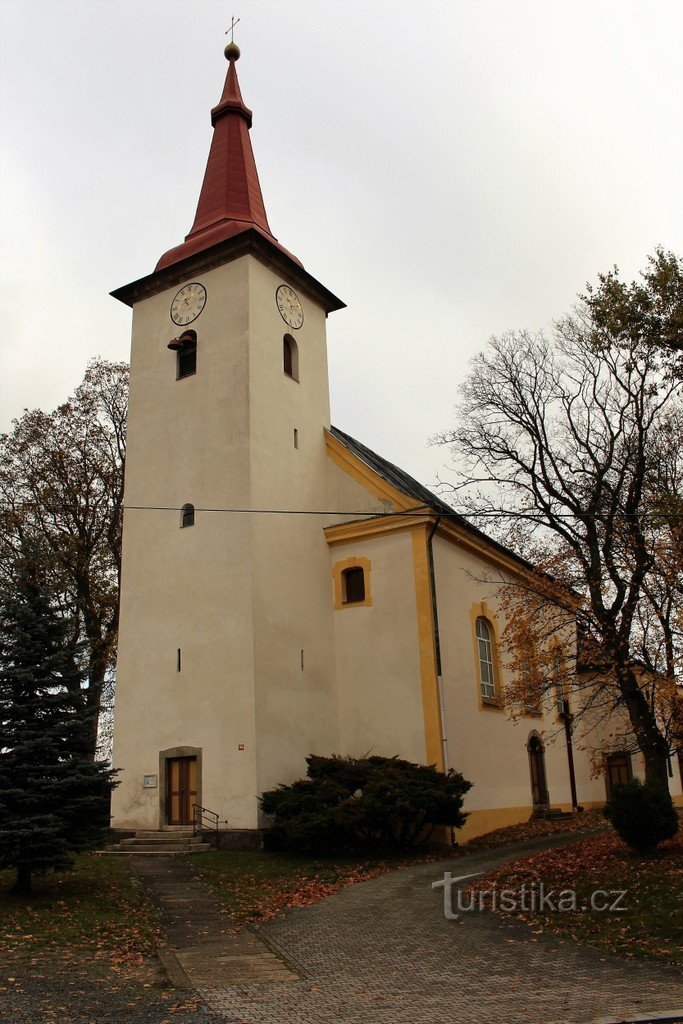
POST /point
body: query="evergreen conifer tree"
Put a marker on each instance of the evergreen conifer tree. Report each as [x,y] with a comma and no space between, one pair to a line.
[54,799]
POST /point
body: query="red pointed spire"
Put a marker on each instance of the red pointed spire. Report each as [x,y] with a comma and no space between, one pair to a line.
[230,200]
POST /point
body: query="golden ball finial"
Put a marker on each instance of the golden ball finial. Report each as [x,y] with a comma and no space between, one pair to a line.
[232,51]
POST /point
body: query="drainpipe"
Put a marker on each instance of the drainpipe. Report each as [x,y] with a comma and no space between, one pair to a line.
[570,753]
[437,649]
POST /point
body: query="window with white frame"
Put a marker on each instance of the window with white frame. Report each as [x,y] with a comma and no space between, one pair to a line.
[559,690]
[485,652]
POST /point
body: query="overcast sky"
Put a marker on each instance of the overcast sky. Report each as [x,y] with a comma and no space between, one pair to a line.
[450,170]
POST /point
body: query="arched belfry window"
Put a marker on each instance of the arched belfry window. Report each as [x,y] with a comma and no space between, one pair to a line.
[485,652]
[187,355]
[187,515]
[290,357]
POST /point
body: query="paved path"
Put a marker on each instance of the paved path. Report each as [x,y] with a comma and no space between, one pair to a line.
[382,952]
[203,950]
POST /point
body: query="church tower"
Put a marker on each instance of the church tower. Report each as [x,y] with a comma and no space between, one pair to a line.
[224,680]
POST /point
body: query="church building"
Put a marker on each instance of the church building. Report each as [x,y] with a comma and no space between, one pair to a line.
[286,590]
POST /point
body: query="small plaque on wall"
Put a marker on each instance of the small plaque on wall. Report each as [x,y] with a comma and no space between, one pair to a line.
[150,781]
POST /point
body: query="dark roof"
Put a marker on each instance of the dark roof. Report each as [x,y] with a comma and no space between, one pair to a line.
[412,488]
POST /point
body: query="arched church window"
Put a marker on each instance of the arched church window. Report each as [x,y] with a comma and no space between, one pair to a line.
[487,675]
[187,515]
[353,585]
[187,354]
[290,357]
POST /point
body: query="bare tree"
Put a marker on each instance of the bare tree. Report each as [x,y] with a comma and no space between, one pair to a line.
[61,484]
[561,444]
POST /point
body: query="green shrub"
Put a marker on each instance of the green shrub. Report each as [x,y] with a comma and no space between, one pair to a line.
[363,804]
[642,814]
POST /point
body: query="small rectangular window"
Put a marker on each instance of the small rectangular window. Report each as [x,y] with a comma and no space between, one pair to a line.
[296,438]
[354,585]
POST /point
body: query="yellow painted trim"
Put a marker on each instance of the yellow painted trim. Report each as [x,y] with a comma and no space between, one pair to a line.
[588,805]
[450,529]
[366,529]
[481,610]
[337,570]
[365,476]
[425,631]
[488,819]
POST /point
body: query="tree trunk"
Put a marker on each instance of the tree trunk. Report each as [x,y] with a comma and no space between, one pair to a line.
[653,746]
[657,769]
[22,885]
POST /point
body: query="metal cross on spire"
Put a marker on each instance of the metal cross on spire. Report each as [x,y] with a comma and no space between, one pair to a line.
[231,29]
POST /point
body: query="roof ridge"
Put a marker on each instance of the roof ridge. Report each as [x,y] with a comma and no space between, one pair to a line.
[411,487]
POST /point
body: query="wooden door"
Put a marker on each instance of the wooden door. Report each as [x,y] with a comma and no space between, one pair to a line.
[539,788]
[181,790]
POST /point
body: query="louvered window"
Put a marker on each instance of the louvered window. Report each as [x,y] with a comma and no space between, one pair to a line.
[187,358]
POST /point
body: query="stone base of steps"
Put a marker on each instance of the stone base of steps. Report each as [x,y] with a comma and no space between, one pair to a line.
[197,847]
[551,813]
[161,843]
[165,835]
[133,852]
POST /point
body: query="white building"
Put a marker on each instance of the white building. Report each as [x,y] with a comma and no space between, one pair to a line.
[254,628]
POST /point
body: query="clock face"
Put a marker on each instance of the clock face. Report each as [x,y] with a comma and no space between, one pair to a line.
[188,303]
[289,304]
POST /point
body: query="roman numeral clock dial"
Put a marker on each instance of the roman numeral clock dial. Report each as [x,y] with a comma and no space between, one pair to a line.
[289,305]
[188,304]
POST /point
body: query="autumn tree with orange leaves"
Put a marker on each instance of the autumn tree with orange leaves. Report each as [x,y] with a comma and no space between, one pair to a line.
[568,449]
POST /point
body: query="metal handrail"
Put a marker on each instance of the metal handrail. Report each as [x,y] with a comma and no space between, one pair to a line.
[203,818]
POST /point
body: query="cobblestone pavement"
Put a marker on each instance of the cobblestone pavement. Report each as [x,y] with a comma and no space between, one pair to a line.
[382,952]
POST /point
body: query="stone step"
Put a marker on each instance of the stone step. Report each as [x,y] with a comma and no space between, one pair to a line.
[552,813]
[141,853]
[164,847]
[153,851]
[185,833]
[161,841]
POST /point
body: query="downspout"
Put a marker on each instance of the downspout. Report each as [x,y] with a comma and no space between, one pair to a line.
[437,650]
[570,754]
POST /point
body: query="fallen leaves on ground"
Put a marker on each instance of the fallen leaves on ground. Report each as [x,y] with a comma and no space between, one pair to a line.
[650,923]
[536,827]
[260,899]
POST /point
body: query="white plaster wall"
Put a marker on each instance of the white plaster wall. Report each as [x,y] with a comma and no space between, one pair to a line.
[483,743]
[295,705]
[189,588]
[377,654]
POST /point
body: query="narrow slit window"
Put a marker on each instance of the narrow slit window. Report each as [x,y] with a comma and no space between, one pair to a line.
[353,585]
[296,438]
[187,516]
[290,357]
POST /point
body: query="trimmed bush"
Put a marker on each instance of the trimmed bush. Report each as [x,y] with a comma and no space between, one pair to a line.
[363,804]
[642,814]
